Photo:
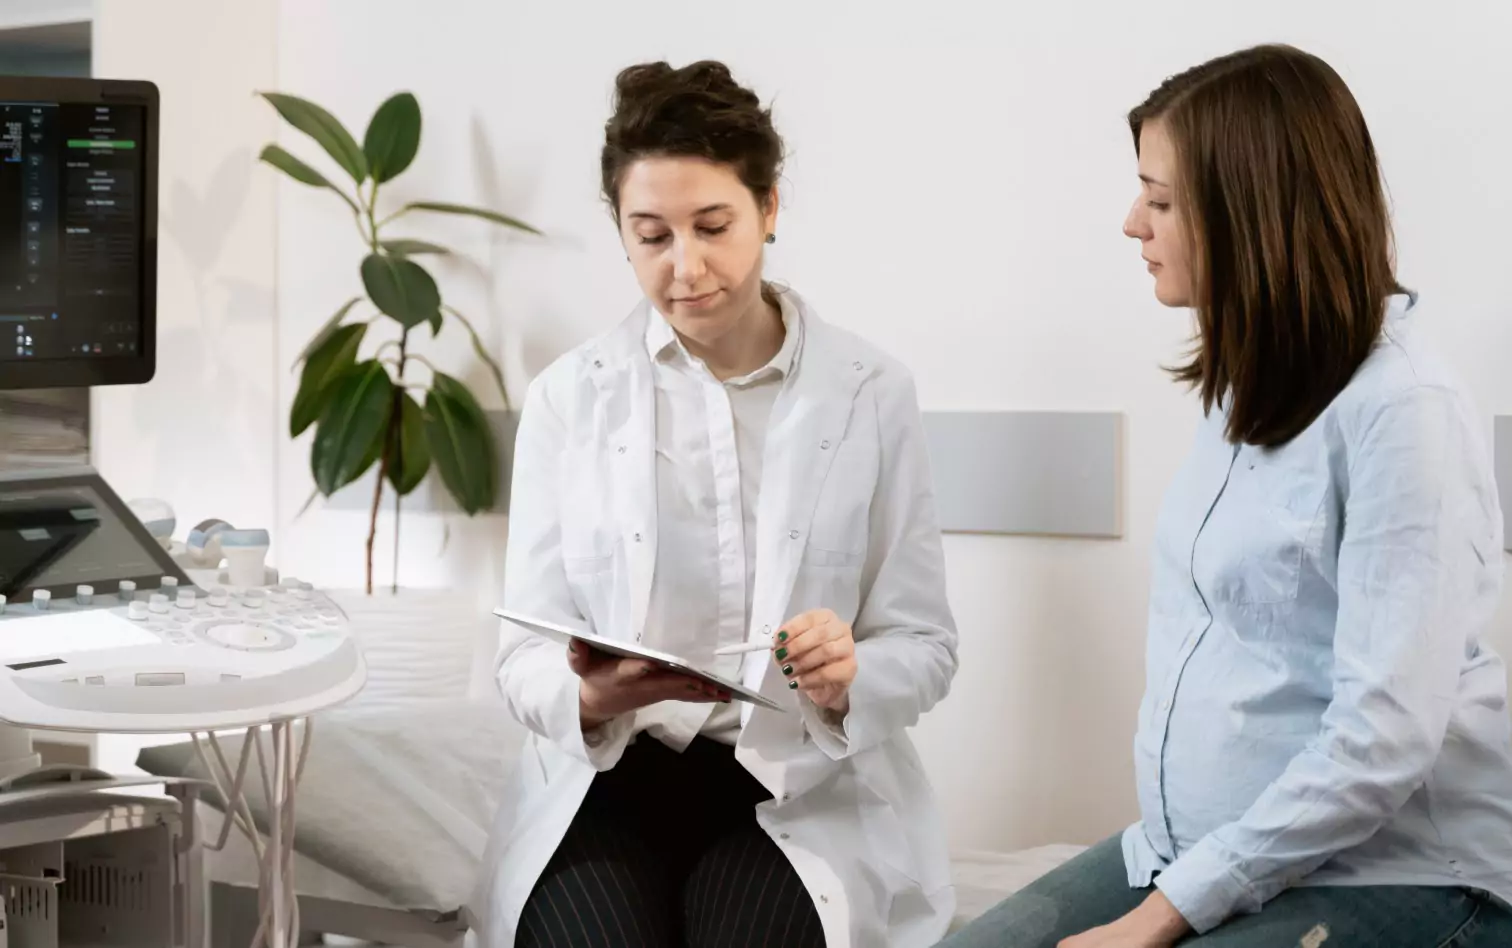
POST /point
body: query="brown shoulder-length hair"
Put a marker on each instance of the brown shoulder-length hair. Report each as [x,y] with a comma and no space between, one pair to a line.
[1290,235]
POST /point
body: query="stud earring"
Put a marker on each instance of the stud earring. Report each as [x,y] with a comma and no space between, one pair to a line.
[771,238]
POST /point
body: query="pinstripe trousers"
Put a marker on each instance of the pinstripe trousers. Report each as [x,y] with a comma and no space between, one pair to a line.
[665,852]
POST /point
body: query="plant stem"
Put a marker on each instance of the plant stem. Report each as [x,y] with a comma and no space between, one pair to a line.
[383,460]
[398,415]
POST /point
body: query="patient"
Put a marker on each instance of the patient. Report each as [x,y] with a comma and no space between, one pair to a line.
[722,467]
[1322,753]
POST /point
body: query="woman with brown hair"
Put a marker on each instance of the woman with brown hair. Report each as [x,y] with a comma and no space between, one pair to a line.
[726,477]
[1323,751]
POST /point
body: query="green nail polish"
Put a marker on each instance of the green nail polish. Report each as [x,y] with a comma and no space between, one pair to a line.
[782,636]
[781,654]
[792,684]
[787,669]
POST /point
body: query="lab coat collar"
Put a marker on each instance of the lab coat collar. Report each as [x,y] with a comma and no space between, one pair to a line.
[662,341]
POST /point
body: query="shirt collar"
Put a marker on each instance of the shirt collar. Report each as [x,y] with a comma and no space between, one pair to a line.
[662,343]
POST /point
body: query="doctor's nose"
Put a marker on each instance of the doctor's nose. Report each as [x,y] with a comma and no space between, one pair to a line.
[688,263]
[1135,224]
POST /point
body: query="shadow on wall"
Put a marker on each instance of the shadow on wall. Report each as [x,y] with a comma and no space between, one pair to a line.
[204,349]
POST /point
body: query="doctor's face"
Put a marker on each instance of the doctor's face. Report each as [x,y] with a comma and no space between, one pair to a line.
[1155,219]
[694,234]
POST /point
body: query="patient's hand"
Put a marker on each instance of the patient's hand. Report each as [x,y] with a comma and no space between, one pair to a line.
[610,686]
[817,653]
[1155,924]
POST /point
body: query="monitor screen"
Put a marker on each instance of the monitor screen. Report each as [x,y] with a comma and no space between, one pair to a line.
[78,224]
[58,532]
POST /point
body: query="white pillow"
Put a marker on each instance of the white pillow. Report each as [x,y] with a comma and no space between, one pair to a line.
[419,644]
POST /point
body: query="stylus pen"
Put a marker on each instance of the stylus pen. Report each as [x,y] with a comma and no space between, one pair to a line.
[743,648]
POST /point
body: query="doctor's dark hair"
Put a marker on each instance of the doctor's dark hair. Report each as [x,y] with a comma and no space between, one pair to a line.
[1289,231]
[698,111]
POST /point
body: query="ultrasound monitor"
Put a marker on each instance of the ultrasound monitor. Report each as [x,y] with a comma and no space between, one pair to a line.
[78,232]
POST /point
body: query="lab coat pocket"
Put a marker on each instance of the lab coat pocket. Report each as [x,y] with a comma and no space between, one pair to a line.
[842,515]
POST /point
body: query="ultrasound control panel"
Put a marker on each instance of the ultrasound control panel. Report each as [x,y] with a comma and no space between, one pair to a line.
[91,638]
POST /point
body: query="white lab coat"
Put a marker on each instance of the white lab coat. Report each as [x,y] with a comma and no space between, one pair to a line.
[846,522]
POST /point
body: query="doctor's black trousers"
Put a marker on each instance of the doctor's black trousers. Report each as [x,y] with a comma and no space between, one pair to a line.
[665,852]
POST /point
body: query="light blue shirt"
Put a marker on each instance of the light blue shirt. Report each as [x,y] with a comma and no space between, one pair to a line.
[1319,707]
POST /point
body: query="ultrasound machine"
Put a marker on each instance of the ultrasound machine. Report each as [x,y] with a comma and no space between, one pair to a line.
[101,629]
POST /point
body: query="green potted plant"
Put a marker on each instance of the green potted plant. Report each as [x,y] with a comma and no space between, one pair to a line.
[371,398]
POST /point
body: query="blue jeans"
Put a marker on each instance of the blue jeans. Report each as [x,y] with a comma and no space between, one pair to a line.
[1093,889]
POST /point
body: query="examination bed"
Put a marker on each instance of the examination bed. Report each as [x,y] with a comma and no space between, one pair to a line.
[382,854]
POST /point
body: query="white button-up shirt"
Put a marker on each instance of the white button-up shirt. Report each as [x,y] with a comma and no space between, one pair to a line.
[710,438]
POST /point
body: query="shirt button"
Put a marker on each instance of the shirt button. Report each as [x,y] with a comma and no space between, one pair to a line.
[621,449]
[824,446]
[857,366]
[637,538]
[782,836]
[792,534]
[1165,705]
[825,898]
[786,797]
[598,363]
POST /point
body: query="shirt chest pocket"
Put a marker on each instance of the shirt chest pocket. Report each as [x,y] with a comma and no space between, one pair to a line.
[842,516]
[1261,533]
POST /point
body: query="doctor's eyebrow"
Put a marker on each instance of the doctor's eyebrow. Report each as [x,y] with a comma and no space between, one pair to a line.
[648,216]
[1149,180]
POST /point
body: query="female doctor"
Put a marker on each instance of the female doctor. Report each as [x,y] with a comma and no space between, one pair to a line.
[721,468]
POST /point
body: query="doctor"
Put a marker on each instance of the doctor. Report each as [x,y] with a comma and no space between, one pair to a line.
[721,468]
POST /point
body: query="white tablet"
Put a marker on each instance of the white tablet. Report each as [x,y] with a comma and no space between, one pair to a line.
[563,634]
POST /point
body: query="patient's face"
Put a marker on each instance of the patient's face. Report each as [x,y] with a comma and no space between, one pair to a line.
[694,234]
[1155,219]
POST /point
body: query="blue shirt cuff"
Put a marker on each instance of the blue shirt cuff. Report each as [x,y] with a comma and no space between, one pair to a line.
[1205,889]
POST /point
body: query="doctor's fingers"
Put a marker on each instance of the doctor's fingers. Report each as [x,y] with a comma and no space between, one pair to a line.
[805,622]
[838,674]
[824,653]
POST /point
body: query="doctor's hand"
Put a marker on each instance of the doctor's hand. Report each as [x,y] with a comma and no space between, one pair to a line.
[817,653]
[610,686]
[1154,924]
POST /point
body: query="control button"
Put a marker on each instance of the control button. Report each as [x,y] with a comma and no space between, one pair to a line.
[289,582]
[159,678]
[301,593]
[219,597]
[245,636]
[41,599]
[254,598]
[186,598]
[95,680]
[136,610]
[84,595]
[126,589]
[169,582]
[158,604]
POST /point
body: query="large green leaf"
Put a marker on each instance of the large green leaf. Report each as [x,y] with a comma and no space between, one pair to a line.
[444,208]
[326,365]
[393,137]
[355,419]
[324,127]
[301,172]
[401,288]
[482,353]
[405,247]
[409,468]
[461,444]
[325,331]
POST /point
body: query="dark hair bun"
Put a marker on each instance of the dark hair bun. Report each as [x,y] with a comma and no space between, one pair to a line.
[698,111]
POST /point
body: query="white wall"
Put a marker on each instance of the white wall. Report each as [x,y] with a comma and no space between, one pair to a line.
[974,158]
[203,433]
